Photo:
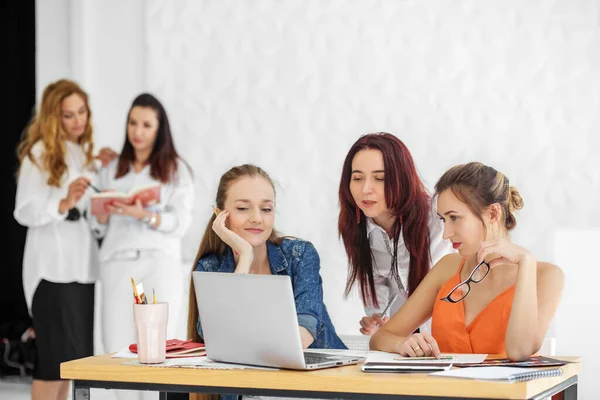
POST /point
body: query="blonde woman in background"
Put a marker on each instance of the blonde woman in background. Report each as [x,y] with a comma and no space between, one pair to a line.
[242,239]
[56,165]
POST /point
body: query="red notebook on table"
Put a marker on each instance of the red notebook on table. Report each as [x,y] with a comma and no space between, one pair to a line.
[176,348]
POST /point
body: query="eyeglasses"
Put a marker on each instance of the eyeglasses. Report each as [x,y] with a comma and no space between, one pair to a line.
[461,290]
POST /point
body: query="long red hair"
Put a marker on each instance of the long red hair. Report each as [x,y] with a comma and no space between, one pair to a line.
[405,196]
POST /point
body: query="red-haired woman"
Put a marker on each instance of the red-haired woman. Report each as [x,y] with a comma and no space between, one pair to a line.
[388,225]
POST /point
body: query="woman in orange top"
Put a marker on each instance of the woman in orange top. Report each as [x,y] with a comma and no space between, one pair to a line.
[507,298]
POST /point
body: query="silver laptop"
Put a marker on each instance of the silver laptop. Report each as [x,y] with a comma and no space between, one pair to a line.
[251,319]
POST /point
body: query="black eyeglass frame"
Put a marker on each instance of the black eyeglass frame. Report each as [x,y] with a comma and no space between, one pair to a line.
[468,283]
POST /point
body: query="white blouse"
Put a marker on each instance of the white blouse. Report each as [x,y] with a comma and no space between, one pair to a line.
[56,249]
[381,248]
[125,233]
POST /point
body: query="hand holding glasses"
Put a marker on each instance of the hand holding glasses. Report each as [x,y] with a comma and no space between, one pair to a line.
[461,290]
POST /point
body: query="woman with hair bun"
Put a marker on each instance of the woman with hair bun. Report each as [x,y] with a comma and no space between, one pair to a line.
[494,296]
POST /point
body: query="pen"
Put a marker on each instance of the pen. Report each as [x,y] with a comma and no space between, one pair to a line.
[385,310]
[424,358]
[94,187]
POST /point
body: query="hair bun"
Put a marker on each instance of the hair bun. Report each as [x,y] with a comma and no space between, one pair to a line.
[515,201]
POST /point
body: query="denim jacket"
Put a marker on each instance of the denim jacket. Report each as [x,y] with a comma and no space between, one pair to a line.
[300,261]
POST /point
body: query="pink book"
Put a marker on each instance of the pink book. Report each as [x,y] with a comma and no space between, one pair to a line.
[149,195]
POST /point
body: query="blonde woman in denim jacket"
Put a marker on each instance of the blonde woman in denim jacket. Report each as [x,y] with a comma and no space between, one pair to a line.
[241,239]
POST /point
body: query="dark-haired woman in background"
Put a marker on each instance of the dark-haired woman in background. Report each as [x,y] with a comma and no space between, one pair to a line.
[138,242]
[388,225]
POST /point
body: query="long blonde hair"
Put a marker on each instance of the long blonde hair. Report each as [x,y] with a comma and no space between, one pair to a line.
[45,125]
[211,243]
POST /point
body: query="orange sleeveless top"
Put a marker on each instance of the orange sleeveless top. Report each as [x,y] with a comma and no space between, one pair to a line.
[484,335]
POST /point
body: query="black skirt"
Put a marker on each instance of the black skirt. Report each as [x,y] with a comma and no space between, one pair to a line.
[63,319]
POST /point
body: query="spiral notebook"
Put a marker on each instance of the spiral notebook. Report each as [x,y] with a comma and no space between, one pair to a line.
[500,374]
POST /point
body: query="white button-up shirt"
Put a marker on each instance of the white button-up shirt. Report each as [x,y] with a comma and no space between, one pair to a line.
[382,250]
[56,249]
[127,233]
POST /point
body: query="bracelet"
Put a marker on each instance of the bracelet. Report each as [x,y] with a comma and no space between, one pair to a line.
[150,220]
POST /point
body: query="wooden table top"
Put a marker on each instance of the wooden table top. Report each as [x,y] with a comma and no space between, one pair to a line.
[348,379]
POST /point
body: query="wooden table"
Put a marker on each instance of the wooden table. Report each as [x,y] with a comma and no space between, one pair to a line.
[341,382]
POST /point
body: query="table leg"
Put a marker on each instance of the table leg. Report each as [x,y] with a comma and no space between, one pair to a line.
[570,393]
[81,393]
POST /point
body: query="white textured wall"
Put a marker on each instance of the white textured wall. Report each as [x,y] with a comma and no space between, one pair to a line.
[578,318]
[100,45]
[289,85]
[52,55]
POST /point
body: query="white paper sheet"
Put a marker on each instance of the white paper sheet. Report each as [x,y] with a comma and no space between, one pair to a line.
[381,356]
[196,362]
[124,353]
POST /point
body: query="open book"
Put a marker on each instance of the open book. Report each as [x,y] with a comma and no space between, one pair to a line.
[148,195]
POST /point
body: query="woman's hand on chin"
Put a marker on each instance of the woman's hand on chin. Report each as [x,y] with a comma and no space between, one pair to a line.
[241,247]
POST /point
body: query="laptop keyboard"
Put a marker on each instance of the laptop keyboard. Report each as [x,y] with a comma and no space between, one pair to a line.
[316,358]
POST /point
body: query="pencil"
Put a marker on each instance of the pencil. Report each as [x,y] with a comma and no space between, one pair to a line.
[135,293]
[94,187]
[424,358]
[389,304]
[153,296]
[216,210]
